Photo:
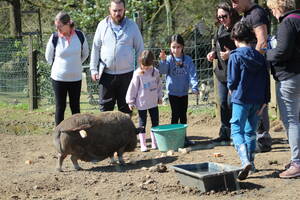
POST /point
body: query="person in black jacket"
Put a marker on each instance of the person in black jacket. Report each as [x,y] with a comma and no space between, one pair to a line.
[285,60]
[226,17]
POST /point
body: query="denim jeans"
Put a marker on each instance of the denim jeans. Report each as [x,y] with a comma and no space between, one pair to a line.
[288,99]
[243,125]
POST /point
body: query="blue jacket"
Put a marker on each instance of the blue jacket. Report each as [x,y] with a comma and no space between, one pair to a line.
[115,55]
[248,77]
[178,79]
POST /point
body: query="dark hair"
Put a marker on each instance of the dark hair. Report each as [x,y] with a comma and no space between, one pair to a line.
[146,58]
[64,18]
[233,14]
[242,32]
[118,2]
[178,39]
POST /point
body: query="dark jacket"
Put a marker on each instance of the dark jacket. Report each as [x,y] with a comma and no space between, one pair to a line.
[285,58]
[248,77]
[222,38]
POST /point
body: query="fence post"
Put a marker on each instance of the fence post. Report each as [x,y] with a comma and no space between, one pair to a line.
[216,92]
[32,76]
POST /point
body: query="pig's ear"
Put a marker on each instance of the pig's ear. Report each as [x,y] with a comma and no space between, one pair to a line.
[78,128]
[82,127]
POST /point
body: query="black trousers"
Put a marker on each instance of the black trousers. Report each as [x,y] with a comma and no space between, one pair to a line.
[179,107]
[113,88]
[143,118]
[61,89]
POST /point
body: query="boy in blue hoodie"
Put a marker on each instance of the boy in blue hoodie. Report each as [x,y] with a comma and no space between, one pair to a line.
[248,82]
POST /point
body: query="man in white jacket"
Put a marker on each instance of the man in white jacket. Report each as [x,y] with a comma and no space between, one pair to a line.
[117,43]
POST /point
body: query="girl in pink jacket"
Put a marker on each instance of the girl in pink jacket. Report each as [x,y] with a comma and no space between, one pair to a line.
[145,93]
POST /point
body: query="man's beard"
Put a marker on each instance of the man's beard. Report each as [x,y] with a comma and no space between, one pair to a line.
[118,19]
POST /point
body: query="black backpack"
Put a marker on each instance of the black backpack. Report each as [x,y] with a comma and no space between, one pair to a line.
[55,39]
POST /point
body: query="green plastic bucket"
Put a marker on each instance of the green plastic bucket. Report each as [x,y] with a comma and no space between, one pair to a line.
[170,136]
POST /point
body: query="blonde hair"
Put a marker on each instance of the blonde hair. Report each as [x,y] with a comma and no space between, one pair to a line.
[283,5]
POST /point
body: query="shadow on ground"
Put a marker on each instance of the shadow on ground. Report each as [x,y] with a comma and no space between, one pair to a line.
[138,165]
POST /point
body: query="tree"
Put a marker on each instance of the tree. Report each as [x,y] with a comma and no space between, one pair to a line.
[15,18]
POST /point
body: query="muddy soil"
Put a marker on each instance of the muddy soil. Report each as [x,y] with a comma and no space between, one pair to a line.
[27,165]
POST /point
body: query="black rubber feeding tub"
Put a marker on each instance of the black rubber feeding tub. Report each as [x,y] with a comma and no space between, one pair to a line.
[208,176]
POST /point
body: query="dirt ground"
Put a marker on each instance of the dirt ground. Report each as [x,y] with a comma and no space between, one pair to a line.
[27,165]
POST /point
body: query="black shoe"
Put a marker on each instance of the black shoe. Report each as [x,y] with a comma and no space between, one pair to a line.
[244,173]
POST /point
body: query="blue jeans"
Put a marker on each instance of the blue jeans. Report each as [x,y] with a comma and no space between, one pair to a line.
[288,99]
[243,125]
[225,104]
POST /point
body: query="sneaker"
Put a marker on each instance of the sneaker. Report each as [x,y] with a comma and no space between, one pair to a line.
[292,172]
[244,173]
[287,165]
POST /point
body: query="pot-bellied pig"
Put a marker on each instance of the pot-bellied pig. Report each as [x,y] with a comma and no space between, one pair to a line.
[88,137]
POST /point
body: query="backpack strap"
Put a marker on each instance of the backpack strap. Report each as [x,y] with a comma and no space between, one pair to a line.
[54,42]
[55,39]
[80,36]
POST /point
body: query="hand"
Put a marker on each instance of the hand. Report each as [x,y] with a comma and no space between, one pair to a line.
[260,111]
[211,56]
[159,101]
[131,107]
[95,77]
[162,55]
[225,54]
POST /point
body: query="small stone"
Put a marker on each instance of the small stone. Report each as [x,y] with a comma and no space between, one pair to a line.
[149,182]
[161,168]
[41,157]
[170,153]
[144,168]
[153,169]
[28,162]
[36,187]
[14,197]
[162,155]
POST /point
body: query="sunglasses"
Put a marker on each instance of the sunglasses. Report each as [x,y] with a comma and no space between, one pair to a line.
[222,17]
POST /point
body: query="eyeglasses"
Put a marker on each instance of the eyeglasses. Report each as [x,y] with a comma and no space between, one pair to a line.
[222,17]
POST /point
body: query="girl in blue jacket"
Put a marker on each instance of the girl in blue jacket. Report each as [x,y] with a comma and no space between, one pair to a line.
[180,73]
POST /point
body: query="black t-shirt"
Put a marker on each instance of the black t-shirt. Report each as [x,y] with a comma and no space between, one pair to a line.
[256,16]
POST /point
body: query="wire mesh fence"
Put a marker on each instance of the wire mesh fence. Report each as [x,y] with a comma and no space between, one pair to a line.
[14,73]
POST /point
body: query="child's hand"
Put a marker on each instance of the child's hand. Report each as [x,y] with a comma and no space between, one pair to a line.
[131,107]
[162,55]
[225,54]
[260,111]
[159,101]
[211,56]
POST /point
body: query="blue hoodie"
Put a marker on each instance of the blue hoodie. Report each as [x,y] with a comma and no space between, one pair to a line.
[178,78]
[248,77]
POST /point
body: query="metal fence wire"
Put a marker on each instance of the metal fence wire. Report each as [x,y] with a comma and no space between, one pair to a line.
[14,76]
